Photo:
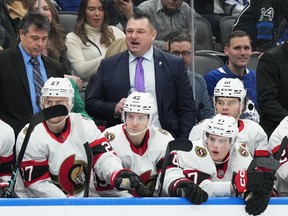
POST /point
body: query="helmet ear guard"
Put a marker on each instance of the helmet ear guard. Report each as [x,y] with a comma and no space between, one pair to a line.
[58,87]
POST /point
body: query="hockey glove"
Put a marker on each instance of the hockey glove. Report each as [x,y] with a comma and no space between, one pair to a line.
[128,180]
[186,188]
[256,203]
[253,180]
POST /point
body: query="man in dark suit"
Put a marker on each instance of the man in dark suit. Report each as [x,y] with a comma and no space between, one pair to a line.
[17,87]
[165,78]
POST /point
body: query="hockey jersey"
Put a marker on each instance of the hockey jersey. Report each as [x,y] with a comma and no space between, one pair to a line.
[7,140]
[56,166]
[274,144]
[251,135]
[142,160]
[198,166]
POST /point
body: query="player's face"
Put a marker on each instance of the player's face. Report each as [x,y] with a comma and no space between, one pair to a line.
[95,13]
[218,147]
[182,49]
[228,106]
[52,101]
[239,52]
[34,42]
[139,36]
[44,9]
[136,122]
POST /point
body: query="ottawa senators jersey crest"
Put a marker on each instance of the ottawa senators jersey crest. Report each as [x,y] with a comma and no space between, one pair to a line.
[109,136]
[243,152]
[72,175]
[200,151]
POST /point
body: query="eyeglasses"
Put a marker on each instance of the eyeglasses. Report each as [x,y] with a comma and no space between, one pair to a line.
[229,103]
[184,53]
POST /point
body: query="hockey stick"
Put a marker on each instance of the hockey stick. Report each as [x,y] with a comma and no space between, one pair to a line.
[88,151]
[283,145]
[41,116]
[178,144]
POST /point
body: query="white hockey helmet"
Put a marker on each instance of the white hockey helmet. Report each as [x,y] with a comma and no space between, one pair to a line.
[58,87]
[224,126]
[140,102]
[230,87]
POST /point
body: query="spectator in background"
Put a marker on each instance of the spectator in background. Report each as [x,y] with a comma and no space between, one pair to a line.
[17,84]
[56,49]
[17,8]
[181,45]
[266,22]
[272,79]
[90,40]
[238,50]
[119,11]
[165,78]
[10,26]
[170,17]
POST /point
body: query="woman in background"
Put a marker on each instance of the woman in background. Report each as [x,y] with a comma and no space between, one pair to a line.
[91,38]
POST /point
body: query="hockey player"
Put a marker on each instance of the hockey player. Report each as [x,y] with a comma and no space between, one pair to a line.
[229,99]
[7,140]
[217,164]
[274,144]
[55,162]
[137,142]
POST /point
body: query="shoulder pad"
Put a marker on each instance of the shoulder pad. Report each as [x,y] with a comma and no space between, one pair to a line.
[109,136]
[243,151]
[161,130]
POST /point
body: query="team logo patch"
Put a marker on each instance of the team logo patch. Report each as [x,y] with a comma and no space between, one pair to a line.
[200,151]
[72,175]
[163,131]
[109,136]
[243,152]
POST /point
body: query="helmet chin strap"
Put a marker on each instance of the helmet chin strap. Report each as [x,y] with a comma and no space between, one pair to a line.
[137,133]
[230,152]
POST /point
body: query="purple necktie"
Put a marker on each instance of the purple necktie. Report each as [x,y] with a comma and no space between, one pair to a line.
[139,75]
